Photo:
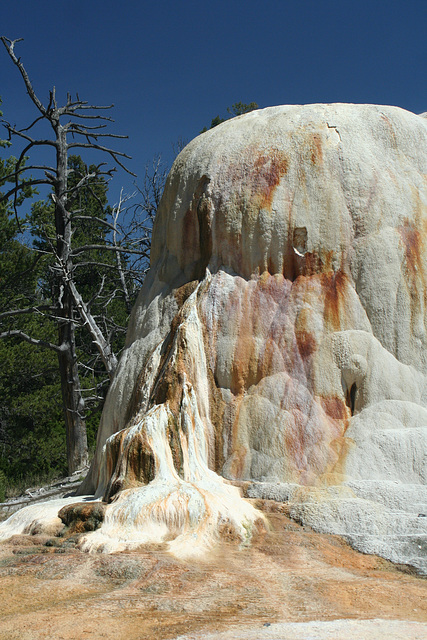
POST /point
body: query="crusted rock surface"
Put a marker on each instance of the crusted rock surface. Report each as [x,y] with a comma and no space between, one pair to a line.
[279,338]
[289,583]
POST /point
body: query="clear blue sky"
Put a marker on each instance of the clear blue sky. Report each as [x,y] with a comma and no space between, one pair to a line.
[170,67]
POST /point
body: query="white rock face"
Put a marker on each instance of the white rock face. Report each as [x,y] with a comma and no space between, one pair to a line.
[283,324]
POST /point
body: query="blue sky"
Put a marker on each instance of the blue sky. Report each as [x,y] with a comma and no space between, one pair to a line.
[170,67]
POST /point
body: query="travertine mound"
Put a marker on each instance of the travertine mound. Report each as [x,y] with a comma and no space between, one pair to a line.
[279,338]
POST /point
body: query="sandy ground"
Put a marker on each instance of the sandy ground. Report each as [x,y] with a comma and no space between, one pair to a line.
[288,578]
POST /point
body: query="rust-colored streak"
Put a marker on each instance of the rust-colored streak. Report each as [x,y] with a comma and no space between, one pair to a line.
[296,441]
[196,235]
[239,462]
[271,266]
[266,174]
[175,446]
[82,517]
[412,236]
[306,344]
[182,293]
[316,149]
[334,286]
[335,408]
[315,262]
[190,236]
[413,241]
[258,175]
[261,312]
[135,464]
[391,130]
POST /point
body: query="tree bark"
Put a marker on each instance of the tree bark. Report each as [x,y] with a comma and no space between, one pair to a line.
[73,402]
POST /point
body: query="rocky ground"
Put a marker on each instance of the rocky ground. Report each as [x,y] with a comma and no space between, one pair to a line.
[289,575]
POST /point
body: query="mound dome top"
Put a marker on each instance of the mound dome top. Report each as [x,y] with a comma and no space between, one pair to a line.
[258,190]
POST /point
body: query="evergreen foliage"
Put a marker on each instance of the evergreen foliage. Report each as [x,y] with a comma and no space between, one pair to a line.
[237,109]
[32,435]
[32,439]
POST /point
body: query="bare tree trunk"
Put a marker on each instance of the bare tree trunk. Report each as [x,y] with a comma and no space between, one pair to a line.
[73,402]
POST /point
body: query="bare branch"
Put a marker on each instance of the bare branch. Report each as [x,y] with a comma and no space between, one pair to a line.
[116,213]
[33,167]
[88,263]
[19,186]
[17,312]
[93,194]
[85,105]
[29,183]
[108,357]
[32,124]
[92,132]
[90,247]
[111,152]
[89,117]
[10,44]
[94,219]
[81,182]
[16,333]
[97,294]
[70,125]
[12,131]
[88,134]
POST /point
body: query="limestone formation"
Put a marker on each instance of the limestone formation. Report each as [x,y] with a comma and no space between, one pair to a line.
[279,339]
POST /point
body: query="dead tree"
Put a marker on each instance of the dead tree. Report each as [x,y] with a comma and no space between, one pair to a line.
[76,125]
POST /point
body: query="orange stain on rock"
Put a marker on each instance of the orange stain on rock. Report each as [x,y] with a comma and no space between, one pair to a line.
[258,174]
[267,340]
[266,174]
[316,154]
[413,238]
[259,309]
[190,234]
[334,285]
[335,408]
[306,342]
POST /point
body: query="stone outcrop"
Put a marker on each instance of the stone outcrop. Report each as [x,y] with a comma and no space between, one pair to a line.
[279,339]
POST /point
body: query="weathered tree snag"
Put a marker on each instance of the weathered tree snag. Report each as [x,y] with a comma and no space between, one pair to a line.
[73,403]
[68,304]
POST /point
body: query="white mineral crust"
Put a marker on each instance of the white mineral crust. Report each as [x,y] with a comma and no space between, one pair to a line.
[279,338]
